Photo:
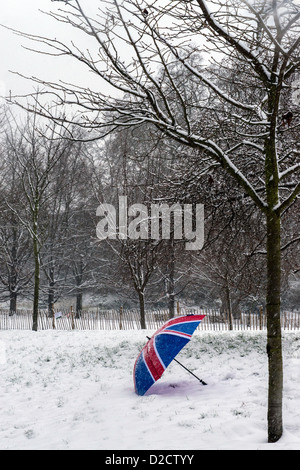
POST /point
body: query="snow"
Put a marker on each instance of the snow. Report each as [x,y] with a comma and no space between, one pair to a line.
[70,390]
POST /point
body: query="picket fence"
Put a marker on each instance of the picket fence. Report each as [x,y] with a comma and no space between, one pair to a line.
[130,320]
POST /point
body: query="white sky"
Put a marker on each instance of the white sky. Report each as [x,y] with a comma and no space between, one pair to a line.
[24,15]
[21,15]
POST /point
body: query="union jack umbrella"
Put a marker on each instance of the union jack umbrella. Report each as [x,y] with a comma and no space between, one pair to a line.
[161,349]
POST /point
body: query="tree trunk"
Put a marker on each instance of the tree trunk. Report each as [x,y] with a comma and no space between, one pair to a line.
[228,301]
[274,346]
[142,309]
[13,303]
[79,269]
[13,276]
[78,304]
[36,284]
[51,288]
[171,304]
[171,278]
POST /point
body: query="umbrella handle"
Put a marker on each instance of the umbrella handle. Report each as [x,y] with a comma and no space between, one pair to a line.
[203,383]
[188,370]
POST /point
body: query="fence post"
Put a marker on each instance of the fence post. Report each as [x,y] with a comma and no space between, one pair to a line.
[178,308]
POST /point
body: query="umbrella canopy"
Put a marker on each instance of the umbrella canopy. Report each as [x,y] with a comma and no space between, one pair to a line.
[161,349]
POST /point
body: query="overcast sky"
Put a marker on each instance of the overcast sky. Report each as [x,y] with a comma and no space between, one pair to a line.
[21,15]
[24,15]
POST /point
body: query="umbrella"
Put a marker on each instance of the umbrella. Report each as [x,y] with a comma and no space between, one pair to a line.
[161,349]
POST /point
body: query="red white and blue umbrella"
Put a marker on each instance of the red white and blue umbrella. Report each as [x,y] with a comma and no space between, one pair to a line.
[161,349]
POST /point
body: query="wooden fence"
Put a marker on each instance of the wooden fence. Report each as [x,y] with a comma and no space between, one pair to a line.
[130,320]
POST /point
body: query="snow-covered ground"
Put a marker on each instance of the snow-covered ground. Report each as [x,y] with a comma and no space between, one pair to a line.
[74,390]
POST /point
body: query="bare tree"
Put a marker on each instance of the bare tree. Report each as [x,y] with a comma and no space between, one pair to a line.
[35,151]
[15,262]
[68,229]
[133,177]
[245,133]
[15,265]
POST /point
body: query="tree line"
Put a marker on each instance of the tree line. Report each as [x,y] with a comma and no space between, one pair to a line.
[51,186]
